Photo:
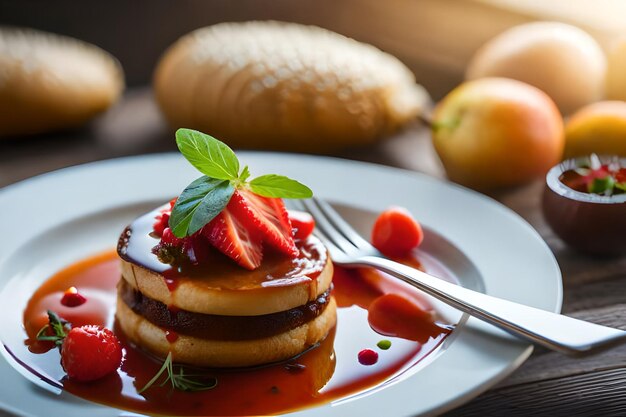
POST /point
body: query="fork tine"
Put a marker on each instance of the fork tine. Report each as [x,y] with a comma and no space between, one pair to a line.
[340,224]
[325,226]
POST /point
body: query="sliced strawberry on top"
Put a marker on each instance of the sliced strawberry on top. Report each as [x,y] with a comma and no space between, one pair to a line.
[235,239]
[267,215]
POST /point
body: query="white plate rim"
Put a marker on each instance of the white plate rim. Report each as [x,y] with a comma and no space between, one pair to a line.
[480,355]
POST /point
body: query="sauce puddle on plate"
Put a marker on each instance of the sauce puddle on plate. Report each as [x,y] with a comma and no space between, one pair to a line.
[322,374]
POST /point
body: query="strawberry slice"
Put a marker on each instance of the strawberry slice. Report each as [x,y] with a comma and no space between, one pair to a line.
[267,215]
[235,239]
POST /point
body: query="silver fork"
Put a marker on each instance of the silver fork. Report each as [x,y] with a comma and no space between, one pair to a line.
[554,331]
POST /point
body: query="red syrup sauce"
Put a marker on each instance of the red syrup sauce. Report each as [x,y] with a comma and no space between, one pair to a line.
[366,299]
[327,372]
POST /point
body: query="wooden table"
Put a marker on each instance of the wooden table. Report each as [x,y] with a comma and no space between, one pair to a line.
[547,384]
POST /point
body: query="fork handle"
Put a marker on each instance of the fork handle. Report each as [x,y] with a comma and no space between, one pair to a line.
[554,331]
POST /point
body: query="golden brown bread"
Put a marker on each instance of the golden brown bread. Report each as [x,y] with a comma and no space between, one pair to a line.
[213,353]
[50,82]
[283,86]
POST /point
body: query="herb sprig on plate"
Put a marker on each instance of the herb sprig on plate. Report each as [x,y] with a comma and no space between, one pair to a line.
[179,380]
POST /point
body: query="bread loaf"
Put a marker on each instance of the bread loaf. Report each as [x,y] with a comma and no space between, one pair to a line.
[50,82]
[273,85]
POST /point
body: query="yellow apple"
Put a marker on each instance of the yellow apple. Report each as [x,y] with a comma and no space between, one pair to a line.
[597,128]
[497,132]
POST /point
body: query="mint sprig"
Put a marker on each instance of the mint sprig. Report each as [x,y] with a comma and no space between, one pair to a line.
[207,196]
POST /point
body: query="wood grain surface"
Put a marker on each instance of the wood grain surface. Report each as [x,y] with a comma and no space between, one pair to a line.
[548,384]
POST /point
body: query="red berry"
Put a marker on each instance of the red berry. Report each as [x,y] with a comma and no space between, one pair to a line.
[235,239]
[396,232]
[90,352]
[368,357]
[267,216]
[302,223]
[163,218]
[71,298]
[162,221]
[168,238]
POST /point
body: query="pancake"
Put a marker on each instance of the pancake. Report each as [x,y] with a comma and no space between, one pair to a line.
[231,290]
[219,353]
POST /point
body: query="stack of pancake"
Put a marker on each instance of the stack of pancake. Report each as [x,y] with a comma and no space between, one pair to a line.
[221,315]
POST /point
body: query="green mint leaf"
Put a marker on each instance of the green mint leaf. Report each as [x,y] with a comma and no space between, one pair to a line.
[620,186]
[210,156]
[198,204]
[245,174]
[279,186]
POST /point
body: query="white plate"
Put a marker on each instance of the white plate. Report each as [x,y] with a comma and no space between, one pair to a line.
[66,215]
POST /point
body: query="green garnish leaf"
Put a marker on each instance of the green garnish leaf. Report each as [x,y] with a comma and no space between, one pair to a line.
[620,186]
[207,196]
[279,186]
[59,327]
[602,185]
[178,379]
[384,344]
[245,174]
[210,156]
[198,204]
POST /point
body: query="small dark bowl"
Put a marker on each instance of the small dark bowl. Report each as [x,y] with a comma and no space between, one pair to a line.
[588,222]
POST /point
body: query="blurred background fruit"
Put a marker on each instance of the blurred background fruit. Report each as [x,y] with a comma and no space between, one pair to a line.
[616,70]
[50,82]
[497,132]
[273,85]
[434,39]
[597,128]
[560,59]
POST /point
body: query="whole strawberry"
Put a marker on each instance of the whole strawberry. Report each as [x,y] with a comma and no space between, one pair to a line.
[87,352]
[90,352]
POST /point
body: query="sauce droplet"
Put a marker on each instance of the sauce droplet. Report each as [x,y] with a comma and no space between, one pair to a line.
[368,357]
[170,276]
[171,336]
[71,298]
[384,344]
